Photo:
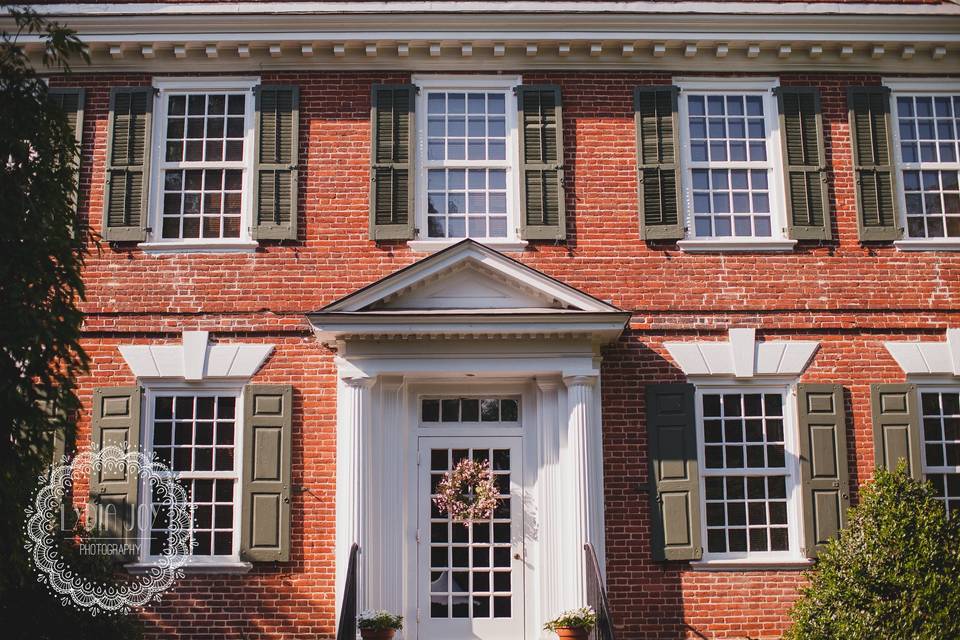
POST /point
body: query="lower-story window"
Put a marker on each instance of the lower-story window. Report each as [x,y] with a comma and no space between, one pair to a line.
[941,440]
[747,474]
[195,435]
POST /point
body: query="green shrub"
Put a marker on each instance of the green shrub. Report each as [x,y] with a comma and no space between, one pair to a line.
[583,618]
[893,573]
[379,620]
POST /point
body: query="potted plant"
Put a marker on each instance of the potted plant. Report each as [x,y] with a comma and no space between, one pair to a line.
[378,625]
[575,623]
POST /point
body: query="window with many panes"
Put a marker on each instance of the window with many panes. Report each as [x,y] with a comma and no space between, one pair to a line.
[204,153]
[941,444]
[466,155]
[746,474]
[196,435]
[729,152]
[927,129]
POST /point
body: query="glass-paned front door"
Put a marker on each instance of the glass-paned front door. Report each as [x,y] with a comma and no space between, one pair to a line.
[470,579]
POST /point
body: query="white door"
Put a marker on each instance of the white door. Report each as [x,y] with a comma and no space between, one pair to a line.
[470,577]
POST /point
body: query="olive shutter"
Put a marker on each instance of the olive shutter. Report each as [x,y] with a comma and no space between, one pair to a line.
[128,160]
[896,426]
[805,163]
[113,489]
[658,183]
[277,120]
[71,102]
[825,481]
[674,472]
[540,115]
[870,128]
[392,110]
[265,511]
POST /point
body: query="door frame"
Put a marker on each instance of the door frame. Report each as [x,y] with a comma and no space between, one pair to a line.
[527,432]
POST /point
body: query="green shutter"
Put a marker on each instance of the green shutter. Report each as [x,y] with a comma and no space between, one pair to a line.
[71,100]
[805,163]
[113,491]
[392,112]
[674,472]
[540,115]
[277,135]
[870,127]
[267,450]
[896,426]
[658,175]
[128,164]
[825,481]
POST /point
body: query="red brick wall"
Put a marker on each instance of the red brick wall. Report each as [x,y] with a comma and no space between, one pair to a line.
[849,297]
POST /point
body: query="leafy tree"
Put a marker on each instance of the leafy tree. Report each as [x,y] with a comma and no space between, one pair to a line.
[894,572]
[43,245]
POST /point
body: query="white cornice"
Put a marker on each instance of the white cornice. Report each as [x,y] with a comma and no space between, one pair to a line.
[882,38]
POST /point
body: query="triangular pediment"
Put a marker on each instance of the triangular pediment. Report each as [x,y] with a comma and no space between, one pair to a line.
[469,277]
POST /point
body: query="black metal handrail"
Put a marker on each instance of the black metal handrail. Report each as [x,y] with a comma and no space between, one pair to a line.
[597,595]
[348,609]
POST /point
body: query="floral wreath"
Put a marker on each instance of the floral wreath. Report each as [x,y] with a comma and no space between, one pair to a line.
[468,492]
[64,581]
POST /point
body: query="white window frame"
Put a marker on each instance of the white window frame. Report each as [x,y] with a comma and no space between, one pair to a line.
[925,468]
[916,87]
[778,240]
[793,554]
[163,88]
[492,83]
[150,393]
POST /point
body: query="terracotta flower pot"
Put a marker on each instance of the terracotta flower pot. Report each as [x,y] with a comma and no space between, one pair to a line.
[377,634]
[575,633]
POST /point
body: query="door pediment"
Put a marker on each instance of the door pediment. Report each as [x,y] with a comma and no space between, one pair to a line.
[467,290]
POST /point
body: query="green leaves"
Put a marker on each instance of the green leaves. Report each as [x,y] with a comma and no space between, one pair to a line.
[894,572]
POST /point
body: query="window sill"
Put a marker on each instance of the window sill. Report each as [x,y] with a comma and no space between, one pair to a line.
[196,567]
[241,246]
[750,565]
[432,246]
[928,245]
[719,246]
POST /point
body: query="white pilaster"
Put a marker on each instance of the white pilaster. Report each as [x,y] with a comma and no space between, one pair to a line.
[353,426]
[581,522]
[550,499]
[385,514]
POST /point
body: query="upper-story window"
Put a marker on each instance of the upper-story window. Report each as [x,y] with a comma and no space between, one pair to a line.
[748,481]
[467,157]
[730,146]
[927,128]
[204,135]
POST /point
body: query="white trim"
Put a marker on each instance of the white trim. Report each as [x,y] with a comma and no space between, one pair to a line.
[163,86]
[719,360]
[412,6]
[460,81]
[793,484]
[916,87]
[928,358]
[704,245]
[192,567]
[750,565]
[926,244]
[432,246]
[765,87]
[213,361]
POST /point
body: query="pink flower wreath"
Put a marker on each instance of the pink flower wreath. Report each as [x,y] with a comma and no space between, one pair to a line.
[468,492]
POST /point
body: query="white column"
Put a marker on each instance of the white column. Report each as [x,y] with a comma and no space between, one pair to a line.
[581,506]
[385,532]
[352,429]
[550,497]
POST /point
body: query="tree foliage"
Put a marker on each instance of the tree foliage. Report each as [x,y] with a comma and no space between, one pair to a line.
[894,572]
[43,245]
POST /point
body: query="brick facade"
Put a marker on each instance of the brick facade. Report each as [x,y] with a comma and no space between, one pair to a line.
[847,296]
